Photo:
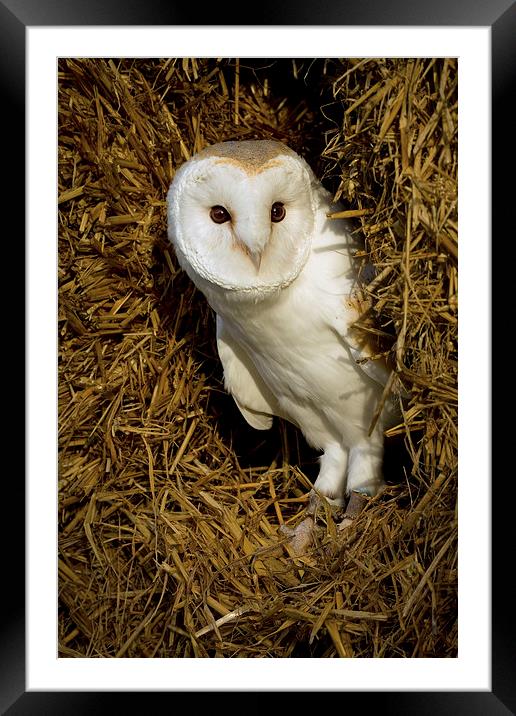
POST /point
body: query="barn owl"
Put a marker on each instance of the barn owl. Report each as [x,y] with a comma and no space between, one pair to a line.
[249,224]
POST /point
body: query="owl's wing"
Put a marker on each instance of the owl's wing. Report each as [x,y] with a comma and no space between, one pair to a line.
[354,308]
[253,398]
[366,354]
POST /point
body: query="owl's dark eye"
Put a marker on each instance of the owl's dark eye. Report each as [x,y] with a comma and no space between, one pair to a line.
[219,214]
[278,211]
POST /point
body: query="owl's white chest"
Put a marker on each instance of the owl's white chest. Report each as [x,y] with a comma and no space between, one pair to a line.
[292,341]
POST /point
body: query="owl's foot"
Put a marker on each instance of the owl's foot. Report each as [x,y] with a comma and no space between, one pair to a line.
[316,501]
[301,536]
[357,502]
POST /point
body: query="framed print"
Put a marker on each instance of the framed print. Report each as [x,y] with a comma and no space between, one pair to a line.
[169,570]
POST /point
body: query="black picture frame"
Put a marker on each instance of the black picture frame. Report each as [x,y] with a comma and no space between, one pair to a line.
[500,16]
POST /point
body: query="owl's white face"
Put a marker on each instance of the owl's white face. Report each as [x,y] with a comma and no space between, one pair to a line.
[241,216]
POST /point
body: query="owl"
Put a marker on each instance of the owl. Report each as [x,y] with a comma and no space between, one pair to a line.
[249,224]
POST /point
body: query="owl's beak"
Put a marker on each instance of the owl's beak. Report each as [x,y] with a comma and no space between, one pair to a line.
[253,242]
[256,258]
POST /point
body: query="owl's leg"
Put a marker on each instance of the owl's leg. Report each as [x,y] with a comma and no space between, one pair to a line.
[365,466]
[331,480]
[365,477]
[329,485]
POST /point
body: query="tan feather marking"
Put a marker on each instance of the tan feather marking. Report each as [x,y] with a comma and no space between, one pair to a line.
[253,156]
[240,246]
[248,168]
[366,341]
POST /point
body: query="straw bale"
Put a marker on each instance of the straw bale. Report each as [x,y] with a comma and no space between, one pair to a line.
[169,505]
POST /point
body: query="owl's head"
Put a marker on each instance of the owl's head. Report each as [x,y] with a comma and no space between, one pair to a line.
[241,216]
